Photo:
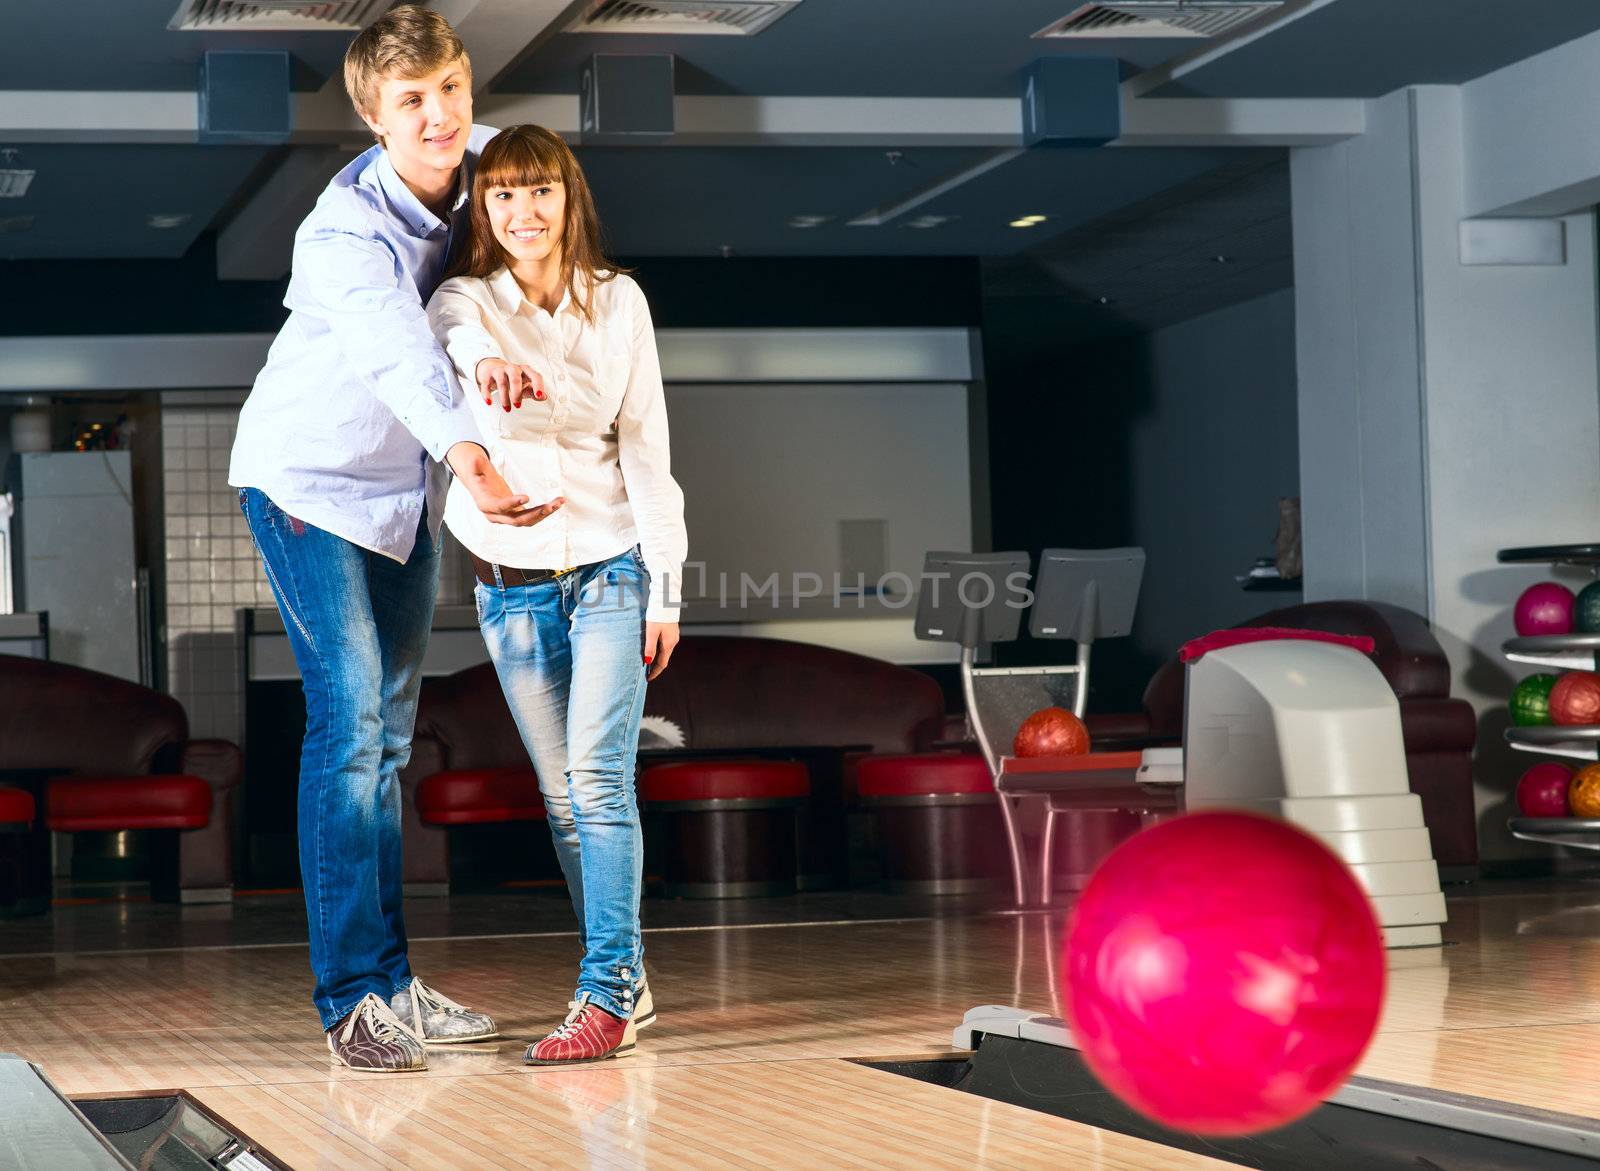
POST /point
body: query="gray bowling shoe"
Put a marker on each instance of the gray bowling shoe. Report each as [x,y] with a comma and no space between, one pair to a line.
[438,1020]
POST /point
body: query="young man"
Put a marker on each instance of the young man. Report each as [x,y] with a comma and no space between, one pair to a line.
[339,461]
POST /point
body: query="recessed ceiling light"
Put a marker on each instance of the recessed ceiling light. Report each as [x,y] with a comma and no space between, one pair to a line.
[175,220]
[1219,259]
[927,221]
[1107,301]
[808,221]
[1023,223]
[1034,219]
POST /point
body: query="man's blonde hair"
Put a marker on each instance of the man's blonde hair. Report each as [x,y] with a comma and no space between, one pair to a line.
[407,41]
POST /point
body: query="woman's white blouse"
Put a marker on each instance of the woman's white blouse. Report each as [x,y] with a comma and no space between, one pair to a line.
[599,437]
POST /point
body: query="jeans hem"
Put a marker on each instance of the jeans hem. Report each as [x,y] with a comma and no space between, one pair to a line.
[602,999]
[329,1019]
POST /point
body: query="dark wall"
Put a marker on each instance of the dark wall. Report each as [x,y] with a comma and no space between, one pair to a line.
[1179,441]
[66,297]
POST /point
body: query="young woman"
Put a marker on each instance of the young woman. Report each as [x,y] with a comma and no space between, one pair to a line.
[558,355]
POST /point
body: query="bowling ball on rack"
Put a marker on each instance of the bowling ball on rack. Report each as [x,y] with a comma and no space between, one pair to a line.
[1575,699]
[1586,610]
[1530,701]
[1224,972]
[1583,792]
[1545,608]
[1542,790]
[1051,731]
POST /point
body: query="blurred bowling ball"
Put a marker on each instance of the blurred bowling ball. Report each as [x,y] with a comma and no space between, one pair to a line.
[1575,699]
[1051,731]
[1586,610]
[1583,793]
[1530,701]
[1542,790]
[1545,608]
[1224,972]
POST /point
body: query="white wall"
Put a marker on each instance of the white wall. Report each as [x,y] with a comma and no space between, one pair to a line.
[769,470]
[1446,411]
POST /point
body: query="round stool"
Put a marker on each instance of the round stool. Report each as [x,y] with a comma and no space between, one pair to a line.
[479,796]
[939,826]
[730,824]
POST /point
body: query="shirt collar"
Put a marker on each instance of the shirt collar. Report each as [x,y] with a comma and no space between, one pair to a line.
[417,217]
[508,296]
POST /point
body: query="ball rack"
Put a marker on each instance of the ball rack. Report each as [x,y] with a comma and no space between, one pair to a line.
[1565,652]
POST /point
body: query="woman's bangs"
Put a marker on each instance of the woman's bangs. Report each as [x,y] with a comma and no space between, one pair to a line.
[520,162]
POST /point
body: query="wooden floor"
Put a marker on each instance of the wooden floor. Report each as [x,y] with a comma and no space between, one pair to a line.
[745,1067]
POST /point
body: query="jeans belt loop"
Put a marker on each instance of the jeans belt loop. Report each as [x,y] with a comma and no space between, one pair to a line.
[499,584]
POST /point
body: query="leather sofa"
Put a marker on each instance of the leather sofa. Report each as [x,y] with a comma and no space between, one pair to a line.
[722,692]
[58,720]
[1439,732]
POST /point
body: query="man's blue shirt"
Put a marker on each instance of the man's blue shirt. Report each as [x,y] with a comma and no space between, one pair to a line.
[349,421]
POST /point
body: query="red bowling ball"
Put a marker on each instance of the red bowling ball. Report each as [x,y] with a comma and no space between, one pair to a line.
[1542,790]
[1224,973]
[1545,608]
[1575,699]
[1051,731]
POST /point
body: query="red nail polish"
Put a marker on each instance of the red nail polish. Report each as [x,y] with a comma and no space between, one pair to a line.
[647,660]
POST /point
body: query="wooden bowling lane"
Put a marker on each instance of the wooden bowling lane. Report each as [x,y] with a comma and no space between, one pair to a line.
[777,1114]
[746,1065]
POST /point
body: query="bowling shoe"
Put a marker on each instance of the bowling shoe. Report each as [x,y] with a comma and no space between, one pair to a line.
[372,1039]
[438,1020]
[589,1033]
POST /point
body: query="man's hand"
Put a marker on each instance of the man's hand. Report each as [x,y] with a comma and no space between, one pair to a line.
[659,639]
[507,382]
[489,490]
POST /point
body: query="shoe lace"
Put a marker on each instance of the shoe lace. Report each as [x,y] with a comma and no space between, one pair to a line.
[379,1018]
[580,1010]
[427,997]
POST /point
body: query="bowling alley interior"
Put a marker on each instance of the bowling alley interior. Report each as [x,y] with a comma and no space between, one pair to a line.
[1111,493]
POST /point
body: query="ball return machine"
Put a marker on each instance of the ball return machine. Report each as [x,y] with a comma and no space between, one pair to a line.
[1293,724]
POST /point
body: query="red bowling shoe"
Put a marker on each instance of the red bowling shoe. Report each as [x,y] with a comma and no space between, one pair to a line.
[589,1033]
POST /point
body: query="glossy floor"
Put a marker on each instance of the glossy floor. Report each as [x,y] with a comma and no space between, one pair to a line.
[744,1068]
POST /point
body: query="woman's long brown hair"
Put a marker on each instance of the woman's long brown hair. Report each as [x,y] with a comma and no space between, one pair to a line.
[529,156]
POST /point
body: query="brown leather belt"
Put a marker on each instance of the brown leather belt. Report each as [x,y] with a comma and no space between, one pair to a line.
[510,575]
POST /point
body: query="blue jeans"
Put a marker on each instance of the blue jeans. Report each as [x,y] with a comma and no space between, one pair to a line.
[358,622]
[570,656]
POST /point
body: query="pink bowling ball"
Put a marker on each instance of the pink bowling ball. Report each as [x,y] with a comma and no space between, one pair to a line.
[1224,973]
[1542,791]
[1545,608]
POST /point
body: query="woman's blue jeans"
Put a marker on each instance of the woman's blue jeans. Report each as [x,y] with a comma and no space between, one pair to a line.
[570,655]
[358,623]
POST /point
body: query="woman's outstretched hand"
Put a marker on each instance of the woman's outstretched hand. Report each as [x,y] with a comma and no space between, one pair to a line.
[489,490]
[506,383]
[659,639]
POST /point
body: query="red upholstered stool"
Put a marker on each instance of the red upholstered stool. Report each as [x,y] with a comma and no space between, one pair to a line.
[731,825]
[166,804]
[479,796]
[24,876]
[939,826]
[16,809]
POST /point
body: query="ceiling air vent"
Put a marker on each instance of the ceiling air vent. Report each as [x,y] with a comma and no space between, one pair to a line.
[733,18]
[276,16]
[1158,18]
[14,182]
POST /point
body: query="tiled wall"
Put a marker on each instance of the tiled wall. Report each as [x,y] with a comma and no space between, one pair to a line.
[212,570]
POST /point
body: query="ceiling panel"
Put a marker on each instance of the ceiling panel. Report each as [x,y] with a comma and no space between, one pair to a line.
[867,48]
[125,45]
[1367,48]
[682,201]
[91,202]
